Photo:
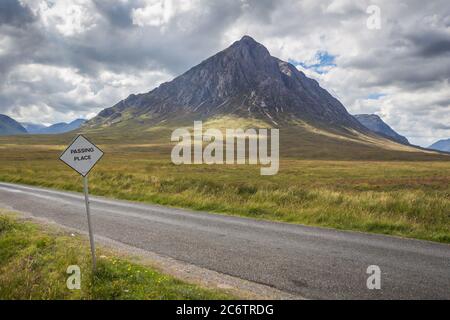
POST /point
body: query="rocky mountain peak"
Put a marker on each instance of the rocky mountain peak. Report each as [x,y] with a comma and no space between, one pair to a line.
[244,80]
[249,49]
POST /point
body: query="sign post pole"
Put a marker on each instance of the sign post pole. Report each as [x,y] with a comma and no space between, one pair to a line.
[88,212]
[82,155]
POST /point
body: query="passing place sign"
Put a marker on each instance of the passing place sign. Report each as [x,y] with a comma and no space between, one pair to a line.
[81,155]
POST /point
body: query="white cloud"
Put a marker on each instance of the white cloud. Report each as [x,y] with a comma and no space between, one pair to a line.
[158,13]
[155,13]
[69,17]
[54,94]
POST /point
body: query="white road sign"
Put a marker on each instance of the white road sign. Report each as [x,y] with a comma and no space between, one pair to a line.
[81,155]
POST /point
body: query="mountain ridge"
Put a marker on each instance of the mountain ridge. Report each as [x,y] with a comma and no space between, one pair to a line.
[374,123]
[60,127]
[33,128]
[9,126]
[441,145]
[63,127]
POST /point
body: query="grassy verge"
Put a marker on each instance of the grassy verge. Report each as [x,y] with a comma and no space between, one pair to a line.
[34,260]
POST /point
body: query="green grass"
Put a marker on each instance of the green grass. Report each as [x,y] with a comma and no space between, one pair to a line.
[34,260]
[321,182]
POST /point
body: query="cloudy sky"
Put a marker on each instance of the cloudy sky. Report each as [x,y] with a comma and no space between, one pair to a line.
[60,60]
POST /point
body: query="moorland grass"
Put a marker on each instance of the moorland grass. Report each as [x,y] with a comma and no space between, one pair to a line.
[408,196]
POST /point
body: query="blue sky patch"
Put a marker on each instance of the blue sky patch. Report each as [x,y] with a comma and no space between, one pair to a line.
[375,96]
[325,60]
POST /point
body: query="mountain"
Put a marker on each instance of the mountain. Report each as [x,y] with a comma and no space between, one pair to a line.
[244,80]
[377,125]
[61,127]
[441,145]
[33,127]
[9,126]
[244,86]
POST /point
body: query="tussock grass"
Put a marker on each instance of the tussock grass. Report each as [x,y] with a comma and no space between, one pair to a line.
[34,260]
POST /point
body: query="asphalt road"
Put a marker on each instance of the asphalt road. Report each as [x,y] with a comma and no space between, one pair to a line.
[312,262]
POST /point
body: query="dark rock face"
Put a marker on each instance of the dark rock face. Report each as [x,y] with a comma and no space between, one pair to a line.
[244,80]
[441,145]
[376,124]
[9,126]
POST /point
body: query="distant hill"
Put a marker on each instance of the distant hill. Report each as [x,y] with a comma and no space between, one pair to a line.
[441,145]
[377,125]
[9,126]
[56,128]
[33,127]
[63,127]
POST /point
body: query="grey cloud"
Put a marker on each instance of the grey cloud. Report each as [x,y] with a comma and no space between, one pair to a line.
[431,43]
[13,13]
[410,76]
[24,44]
[115,44]
[117,13]
[389,67]
[441,126]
